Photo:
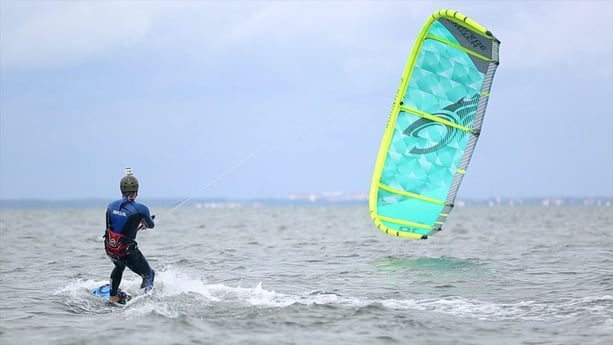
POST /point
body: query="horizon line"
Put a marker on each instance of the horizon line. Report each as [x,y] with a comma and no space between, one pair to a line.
[305,196]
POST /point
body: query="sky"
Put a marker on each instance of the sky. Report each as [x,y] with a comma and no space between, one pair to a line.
[258,99]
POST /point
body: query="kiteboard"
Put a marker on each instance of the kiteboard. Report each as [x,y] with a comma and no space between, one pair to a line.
[104,292]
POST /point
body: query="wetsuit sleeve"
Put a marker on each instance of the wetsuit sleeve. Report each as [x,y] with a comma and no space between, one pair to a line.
[147,216]
[108,219]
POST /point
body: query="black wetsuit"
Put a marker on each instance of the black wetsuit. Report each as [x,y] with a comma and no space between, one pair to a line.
[123,219]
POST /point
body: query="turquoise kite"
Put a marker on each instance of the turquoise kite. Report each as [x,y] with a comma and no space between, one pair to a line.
[434,125]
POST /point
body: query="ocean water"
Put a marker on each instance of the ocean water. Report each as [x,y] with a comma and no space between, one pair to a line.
[499,275]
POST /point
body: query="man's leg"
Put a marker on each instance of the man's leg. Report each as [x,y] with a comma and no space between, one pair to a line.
[138,264]
[116,279]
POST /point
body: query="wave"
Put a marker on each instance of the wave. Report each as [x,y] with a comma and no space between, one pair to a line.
[177,294]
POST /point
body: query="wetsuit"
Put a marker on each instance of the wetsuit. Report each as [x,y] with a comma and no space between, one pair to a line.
[123,218]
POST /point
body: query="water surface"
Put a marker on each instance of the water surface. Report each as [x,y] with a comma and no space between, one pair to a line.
[503,275]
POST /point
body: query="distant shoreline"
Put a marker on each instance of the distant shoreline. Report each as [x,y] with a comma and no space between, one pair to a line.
[286,202]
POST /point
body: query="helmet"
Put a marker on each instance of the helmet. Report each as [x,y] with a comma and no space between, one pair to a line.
[128,183]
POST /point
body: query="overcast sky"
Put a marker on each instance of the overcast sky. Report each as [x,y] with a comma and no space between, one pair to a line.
[267,98]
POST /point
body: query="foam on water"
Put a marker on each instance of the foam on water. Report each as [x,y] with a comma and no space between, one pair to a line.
[172,283]
[523,310]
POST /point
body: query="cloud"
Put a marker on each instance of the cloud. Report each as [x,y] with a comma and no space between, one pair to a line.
[535,36]
[57,33]
[300,23]
[578,36]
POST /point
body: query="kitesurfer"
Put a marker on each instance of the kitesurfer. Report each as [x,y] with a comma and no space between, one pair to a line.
[124,218]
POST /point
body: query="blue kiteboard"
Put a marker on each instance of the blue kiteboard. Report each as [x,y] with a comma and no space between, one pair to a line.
[104,292]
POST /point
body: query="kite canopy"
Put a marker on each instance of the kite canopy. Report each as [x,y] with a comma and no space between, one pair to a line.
[434,125]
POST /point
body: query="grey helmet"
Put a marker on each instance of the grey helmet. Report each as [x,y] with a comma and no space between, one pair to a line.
[128,183]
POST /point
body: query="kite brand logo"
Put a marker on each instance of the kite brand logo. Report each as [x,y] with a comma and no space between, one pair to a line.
[461,112]
[470,37]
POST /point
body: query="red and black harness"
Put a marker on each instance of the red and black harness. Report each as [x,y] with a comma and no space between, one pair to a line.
[117,245]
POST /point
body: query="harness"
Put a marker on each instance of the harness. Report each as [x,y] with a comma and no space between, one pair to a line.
[117,245]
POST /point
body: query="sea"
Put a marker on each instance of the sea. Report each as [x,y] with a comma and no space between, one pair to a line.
[313,275]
